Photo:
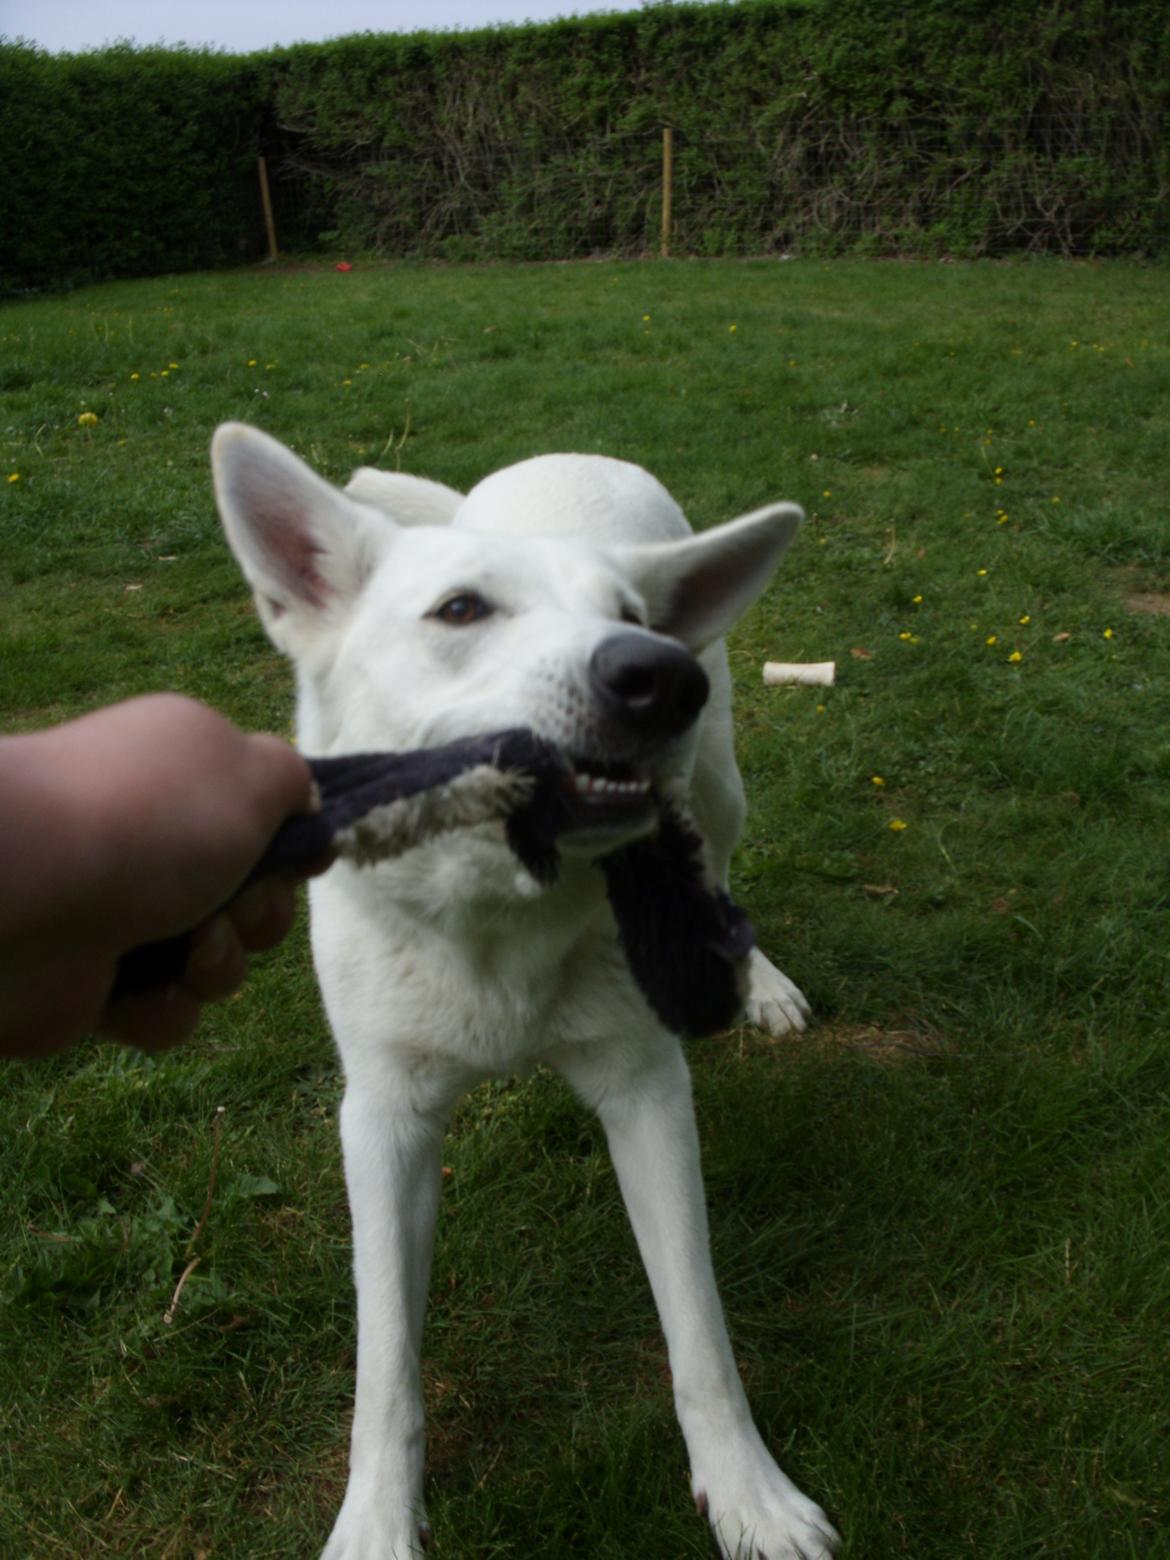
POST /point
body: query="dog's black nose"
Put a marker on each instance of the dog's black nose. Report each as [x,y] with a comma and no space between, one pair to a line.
[653,687]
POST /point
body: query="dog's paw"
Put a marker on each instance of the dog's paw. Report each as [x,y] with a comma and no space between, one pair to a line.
[774,1004]
[757,1513]
[368,1530]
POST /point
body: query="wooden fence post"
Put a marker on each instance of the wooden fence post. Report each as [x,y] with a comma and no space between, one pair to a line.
[266,202]
[667,187]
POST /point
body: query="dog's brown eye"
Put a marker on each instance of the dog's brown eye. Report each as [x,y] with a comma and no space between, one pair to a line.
[464,608]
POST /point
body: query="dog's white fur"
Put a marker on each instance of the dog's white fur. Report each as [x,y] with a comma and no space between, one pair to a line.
[451,964]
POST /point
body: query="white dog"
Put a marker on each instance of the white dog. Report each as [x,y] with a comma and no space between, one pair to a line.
[566,594]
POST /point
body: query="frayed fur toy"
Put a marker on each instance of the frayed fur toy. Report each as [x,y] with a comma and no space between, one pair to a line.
[684,939]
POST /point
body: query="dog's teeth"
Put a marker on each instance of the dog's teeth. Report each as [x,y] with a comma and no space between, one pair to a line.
[599,785]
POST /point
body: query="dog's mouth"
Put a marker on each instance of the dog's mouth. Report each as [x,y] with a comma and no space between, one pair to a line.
[605,799]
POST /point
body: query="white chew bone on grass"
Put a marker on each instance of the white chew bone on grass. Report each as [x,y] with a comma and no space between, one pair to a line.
[800,674]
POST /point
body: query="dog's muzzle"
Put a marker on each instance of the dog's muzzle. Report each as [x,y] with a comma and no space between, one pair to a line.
[651,688]
[647,691]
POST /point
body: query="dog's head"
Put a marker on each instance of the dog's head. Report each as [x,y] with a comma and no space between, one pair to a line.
[407,634]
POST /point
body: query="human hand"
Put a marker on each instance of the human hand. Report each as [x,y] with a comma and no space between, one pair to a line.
[130,825]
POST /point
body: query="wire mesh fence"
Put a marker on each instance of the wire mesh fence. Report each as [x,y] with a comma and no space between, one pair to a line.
[1062,183]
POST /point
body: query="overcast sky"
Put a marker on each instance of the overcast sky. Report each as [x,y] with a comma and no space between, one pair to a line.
[242,25]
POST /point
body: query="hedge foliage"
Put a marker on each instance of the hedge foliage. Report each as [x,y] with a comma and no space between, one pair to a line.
[126,162]
[965,126]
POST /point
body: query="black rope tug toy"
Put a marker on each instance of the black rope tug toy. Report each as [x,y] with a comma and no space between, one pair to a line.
[684,939]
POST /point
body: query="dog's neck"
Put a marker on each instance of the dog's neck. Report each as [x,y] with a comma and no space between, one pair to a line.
[492,972]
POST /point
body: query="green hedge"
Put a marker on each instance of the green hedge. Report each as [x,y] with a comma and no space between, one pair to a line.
[126,162]
[970,126]
[960,126]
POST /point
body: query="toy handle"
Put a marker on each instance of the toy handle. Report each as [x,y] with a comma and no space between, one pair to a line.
[353,786]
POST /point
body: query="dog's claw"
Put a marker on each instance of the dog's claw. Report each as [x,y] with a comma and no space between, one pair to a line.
[701,1503]
[425,1536]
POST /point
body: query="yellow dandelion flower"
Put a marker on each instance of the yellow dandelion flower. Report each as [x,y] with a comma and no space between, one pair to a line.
[1056,498]
[14,476]
[992,639]
[732,329]
[877,780]
[135,376]
[905,634]
[981,573]
[826,494]
[251,362]
[1108,634]
[1016,655]
[917,600]
[897,825]
[645,319]
[88,420]
[1025,619]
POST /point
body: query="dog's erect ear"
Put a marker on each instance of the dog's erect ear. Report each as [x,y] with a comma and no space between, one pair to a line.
[305,549]
[697,588]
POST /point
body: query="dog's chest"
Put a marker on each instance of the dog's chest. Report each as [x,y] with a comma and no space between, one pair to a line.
[493,991]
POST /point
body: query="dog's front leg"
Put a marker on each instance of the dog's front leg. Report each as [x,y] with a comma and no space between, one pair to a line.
[646,1109]
[392,1154]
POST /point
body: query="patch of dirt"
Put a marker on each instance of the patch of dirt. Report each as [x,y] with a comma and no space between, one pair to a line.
[1151,603]
[892,1047]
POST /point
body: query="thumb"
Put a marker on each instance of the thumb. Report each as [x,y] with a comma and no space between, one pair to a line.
[281,782]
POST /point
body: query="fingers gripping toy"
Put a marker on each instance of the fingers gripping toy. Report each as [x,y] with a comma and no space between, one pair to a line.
[684,939]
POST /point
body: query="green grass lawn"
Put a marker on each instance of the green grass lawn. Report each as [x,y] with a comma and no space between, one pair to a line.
[942,1220]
